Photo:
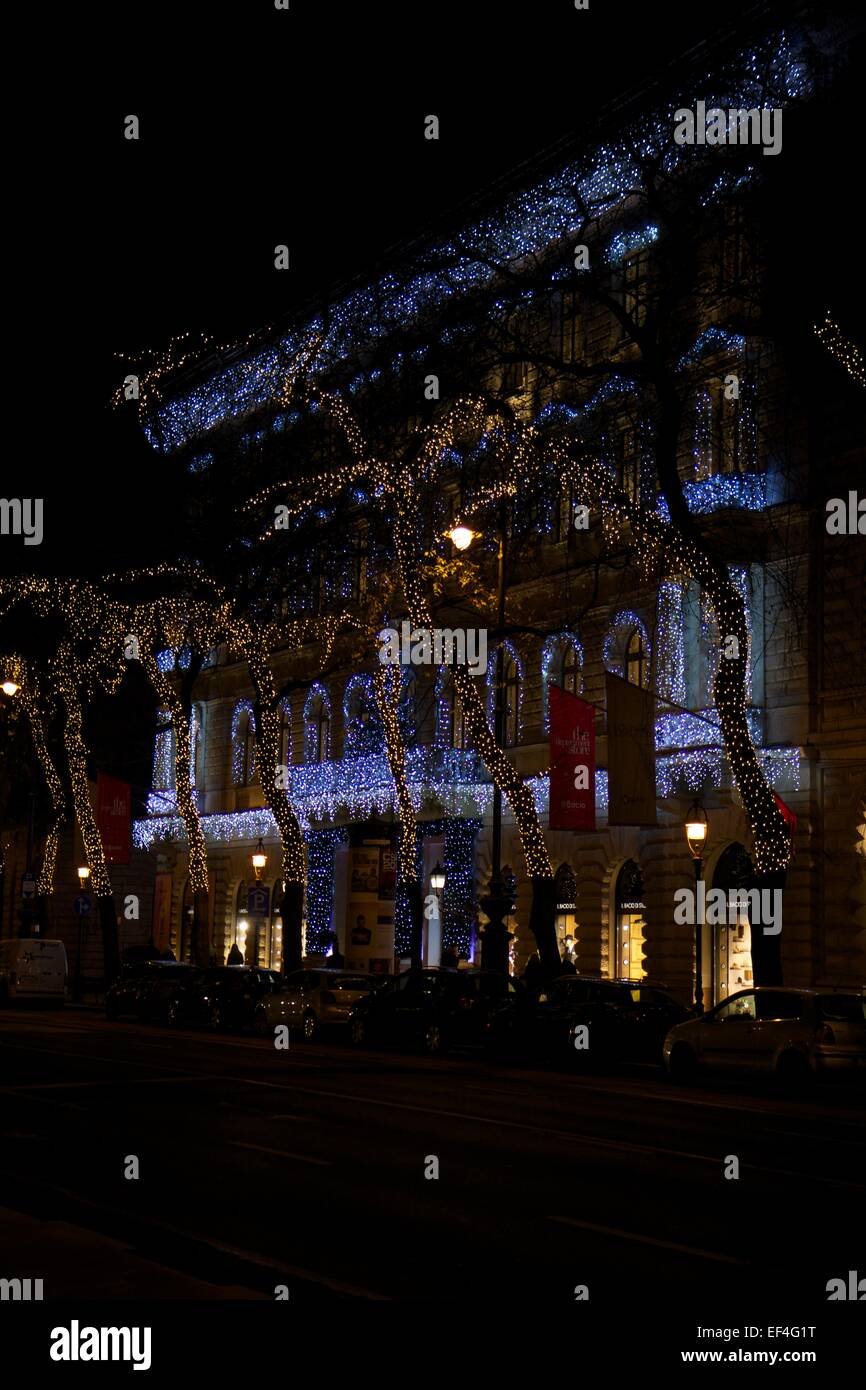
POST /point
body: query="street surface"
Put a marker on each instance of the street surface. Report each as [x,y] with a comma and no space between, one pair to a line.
[307,1168]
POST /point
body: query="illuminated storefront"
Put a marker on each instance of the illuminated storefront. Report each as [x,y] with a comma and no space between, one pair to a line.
[630,912]
[732,954]
[565,890]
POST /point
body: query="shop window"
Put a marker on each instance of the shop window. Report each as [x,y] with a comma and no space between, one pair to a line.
[565,894]
[630,923]
[732,956]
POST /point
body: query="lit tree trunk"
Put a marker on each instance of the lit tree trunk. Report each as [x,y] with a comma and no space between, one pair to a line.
[387,681]
[73,737]
[267,731]
[170,699]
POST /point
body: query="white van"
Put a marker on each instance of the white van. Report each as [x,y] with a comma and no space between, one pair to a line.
[33,968]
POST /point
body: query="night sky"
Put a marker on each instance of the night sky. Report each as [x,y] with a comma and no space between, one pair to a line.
[267,127]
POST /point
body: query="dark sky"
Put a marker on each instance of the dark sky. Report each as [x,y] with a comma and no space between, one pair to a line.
[260,127]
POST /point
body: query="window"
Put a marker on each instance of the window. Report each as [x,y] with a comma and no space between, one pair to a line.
[635,662]
[571,347]
[741,1006]
[285,734]
[317,726]
[776,1004]
[627,463]
[563,518]
[363,728]
[515,378]
[635,273]
[569,672]
[458,734]
[511,700]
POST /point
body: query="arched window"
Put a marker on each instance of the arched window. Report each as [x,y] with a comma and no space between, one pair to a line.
[163,753]
[627,648]
[317,726]
[363,728]
[243,745]
[512,692]
[285,733]
[635,662]
[196,746]
[451,731]
[407,710]
[561,665]
[511,701]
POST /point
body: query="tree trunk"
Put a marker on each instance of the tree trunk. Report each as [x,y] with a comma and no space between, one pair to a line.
[766,950]
[200,922]
[542,922]
[293,912]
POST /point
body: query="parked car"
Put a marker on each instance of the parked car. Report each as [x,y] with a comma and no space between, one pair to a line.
[793,1034]
[224,996]
[626,1021]
[135,986]
[33,968]
[434,1009]
[163,992]
[309,1000]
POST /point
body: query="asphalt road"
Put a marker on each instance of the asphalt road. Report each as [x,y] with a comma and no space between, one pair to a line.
[259,1168]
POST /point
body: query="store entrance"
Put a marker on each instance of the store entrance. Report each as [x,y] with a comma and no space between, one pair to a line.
[732,952]
[630,924]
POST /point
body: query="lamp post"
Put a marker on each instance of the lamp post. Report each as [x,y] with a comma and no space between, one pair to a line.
[496,904]
[437,884]
[83,876]
[696,827]
[259,861]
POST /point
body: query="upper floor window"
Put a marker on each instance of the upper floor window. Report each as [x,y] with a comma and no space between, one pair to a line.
[571,345]
[512,683]
[196,746]
[317,726]
[626,648]
[243,745]
[164,753]
[634,291]
[363,727]
[285,733]
[635,662]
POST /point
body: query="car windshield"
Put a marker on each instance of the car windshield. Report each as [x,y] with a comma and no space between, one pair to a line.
[357,982]
[841,1008]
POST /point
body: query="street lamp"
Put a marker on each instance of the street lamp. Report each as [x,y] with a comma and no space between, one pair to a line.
[83,875]
[259,860]
[461,536]
[437,878]
[696,827]
[10,688]
[498,902]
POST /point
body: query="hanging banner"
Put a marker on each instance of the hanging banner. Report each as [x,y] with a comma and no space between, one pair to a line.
[631,761]
[572,762]
[113,817]
[789,817]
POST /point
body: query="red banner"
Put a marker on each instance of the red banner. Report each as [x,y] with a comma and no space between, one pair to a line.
[572,762]
[113,817]
[788,816]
